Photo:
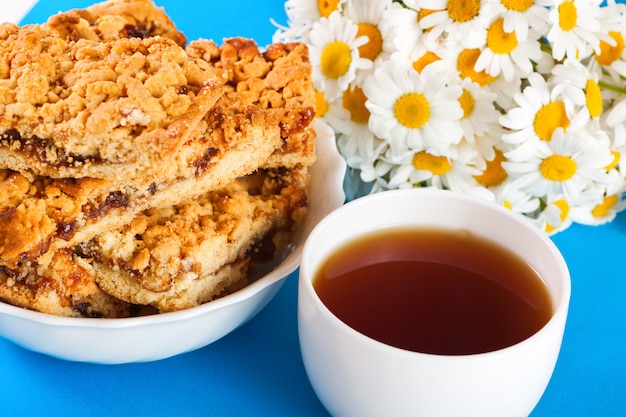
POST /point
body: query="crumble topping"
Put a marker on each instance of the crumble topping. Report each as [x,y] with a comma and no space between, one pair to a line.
[135,171]
[128,101]
[162,250]
[116,19]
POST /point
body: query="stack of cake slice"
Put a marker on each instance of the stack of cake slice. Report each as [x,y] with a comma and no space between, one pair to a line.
[138,173]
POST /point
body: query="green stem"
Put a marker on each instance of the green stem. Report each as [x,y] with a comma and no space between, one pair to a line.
[603,84]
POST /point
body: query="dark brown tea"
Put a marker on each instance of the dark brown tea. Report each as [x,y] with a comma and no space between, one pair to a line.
[436,291]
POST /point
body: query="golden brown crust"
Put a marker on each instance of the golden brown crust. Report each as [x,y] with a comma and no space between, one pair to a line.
[104,115]
[170,258]
[98,109]
[277,81]
[42,214]
[128,107]
[189,290]
[297,149]
[235,136]
[116,19]
[65,287]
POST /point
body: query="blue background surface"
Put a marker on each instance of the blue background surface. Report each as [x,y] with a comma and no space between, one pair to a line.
[257,370]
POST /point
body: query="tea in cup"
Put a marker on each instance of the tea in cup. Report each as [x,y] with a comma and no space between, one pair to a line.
[429,302]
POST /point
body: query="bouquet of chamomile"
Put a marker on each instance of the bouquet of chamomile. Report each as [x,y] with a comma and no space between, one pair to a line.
[520,101]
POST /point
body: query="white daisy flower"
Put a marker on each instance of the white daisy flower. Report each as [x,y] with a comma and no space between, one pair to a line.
[536,118]
[460,178]
[555,217]
[520,15]
[565,165]
[493,174]
[616,120]
[333,113]
[404,174]
[462,64]
[617,144]
[334,54]
[560,212]
[575,28]
[612,55]
[413,111]
[403,24]
[482,133]
[517,200]
[479,114]
[357,143]
[458,20]
[301,15]
[360,147]
[369,16]
[520,102]
[427,169]
[353,102]
[603,208]
[504,53]
[575,81]
[465,65]
[378,174]
[441,54]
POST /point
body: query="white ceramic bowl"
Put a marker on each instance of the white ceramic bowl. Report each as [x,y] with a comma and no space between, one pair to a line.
[141,339]
[354,375]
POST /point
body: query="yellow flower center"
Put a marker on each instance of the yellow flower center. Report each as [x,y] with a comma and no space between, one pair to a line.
[335,60]
[321,105]
[463,10]
[605,206]
[558,168]
[564,207]
[616,159]
[499,41]
[494,173]
[465,64]
[593,96]
[412,110]
[608,53]
[549,118]
[467,103]
[438,165]
[374,45]
[425,60]
[568,15]
[517,5]
[326,7]
[354,101]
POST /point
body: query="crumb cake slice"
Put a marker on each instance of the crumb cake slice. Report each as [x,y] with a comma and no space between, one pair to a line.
[128,108]
[65,287]
[116,19]
[277,80]
[259,121]
[168,259]
[174,258]
[139,175]
[39,215]
[102,109]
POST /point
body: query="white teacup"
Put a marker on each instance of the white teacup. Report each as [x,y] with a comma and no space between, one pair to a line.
[355,375]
